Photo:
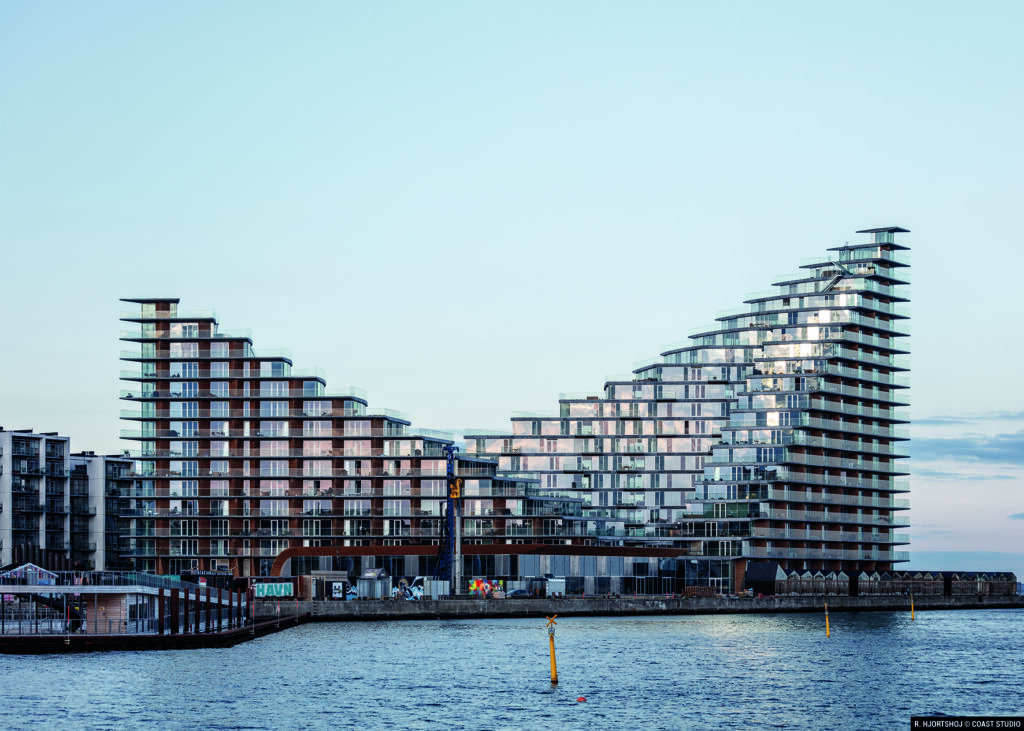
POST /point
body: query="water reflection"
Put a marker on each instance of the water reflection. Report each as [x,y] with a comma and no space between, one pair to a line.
[683,672]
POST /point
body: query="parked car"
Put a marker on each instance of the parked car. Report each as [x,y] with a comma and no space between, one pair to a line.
[517,594]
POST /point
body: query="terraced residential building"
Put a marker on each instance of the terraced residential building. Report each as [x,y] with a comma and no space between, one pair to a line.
[772,436]
[241,457]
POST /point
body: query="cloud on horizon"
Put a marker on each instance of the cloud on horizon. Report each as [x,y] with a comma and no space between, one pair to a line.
[958,476]
[1005,448]
[977,418]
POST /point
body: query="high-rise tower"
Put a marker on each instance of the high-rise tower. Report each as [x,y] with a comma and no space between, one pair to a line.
[773,435]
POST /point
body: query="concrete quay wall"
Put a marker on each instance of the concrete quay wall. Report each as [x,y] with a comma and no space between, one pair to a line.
[378,610]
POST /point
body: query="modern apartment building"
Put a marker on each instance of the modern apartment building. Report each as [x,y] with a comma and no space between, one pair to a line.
[773,435]
[97,485]
[59,509]
[34,498]
[241,457]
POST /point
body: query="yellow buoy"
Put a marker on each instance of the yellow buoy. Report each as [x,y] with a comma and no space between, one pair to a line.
[551,642]
[828,630]
[911,606]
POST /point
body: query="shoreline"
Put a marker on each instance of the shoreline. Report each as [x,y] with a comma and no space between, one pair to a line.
[305,612]
[383,610]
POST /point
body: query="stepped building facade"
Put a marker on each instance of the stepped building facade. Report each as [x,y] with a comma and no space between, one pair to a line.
[240,457]
[772,436]
[775,435]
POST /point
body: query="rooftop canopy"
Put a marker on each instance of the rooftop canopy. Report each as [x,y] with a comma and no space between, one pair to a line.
[885,229]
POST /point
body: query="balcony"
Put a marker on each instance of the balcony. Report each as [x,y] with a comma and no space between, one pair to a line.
[813,516]
[827,554]
[884,501]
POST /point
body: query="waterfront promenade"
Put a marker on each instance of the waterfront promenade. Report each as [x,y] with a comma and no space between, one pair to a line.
[273,616]
[377,610]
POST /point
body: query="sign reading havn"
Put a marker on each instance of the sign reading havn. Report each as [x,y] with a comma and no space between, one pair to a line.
[281,589]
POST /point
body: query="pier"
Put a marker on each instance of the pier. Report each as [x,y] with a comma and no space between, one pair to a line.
[45,611]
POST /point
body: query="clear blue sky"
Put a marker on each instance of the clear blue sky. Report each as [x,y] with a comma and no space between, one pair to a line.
[468,208]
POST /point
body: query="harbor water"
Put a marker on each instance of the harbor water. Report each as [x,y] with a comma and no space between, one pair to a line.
[688,672]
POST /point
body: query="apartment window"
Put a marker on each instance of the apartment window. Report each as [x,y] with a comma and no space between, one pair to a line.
[315,527]
[186,468]
[219,487]
[219,429]
[316,428]
[397,507]
[316,467]
[273,488]
[219,507]
[220,350]
[478,507]
[273,408]
[219,449]
[357,447]
[314,448]
[397,487]
[219,547]
[357,428]
[219,388]
[184,507]
[316,507]
[273,507]
[269,369]
[312,388]
[274,388]
[274,448]
[357,507]
[185,330]
[184,350]
[274,467]
[396,528]
[273,429]
[273,527]
[185,547]
[184,527]
[431,507]
[184,370]
[184,428]
[316,408]
[220,369]
[273,546]
[434,488]
[184,488]
[316,487]
[185,409]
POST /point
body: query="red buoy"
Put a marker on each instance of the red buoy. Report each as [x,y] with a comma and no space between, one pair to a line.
[581,699]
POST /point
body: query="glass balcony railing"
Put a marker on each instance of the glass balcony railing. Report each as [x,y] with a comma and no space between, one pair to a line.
[167,334]
[826,554]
